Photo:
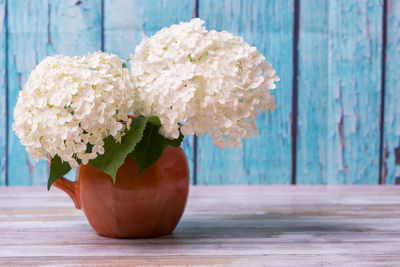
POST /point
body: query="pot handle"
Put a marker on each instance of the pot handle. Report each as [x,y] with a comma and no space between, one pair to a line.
[71,188]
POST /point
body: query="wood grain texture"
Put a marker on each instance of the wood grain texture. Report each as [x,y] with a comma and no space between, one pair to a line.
[75,27]
[266,159]
[339,81]
[354,91]
[37,29]
[226,260]
[312,122]
[391,137]
[3,93]
[339,90]
[222,226]
[126,21]
[27,41]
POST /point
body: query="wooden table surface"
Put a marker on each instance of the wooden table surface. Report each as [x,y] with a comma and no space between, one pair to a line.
[222,225]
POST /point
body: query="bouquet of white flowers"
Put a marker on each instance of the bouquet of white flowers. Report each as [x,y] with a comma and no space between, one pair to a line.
[183,80]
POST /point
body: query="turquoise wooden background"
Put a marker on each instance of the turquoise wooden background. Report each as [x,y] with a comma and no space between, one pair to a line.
[338,115]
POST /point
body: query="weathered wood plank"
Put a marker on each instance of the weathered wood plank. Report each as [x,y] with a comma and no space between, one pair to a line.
[339,90]
[213,249]
[75,27]
[37,29]
[312,126]
[226,260]
[354,90]
[3,93]
[253,225]
[391,138]
[266,159]
[126,21]
[27,27]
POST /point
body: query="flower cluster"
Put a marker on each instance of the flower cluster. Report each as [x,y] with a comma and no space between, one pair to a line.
[195,81]
[202,81]
[68,103]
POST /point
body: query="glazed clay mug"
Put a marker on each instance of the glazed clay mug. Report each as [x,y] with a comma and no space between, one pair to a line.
[135,206]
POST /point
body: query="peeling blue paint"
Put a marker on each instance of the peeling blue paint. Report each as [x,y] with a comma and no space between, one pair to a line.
[340,50]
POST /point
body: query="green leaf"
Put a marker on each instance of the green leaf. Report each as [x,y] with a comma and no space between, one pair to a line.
[155,121]
[115,153]
[176,142]
[152,145]
[124,64]
[58,168]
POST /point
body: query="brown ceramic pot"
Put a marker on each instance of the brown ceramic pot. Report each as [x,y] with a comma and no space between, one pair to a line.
[135,206]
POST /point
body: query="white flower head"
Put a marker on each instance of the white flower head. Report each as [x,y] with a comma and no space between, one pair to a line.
[202,82]
[68,103]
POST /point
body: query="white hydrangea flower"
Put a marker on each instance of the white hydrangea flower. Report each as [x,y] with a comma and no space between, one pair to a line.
[70,102]
[202,81]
